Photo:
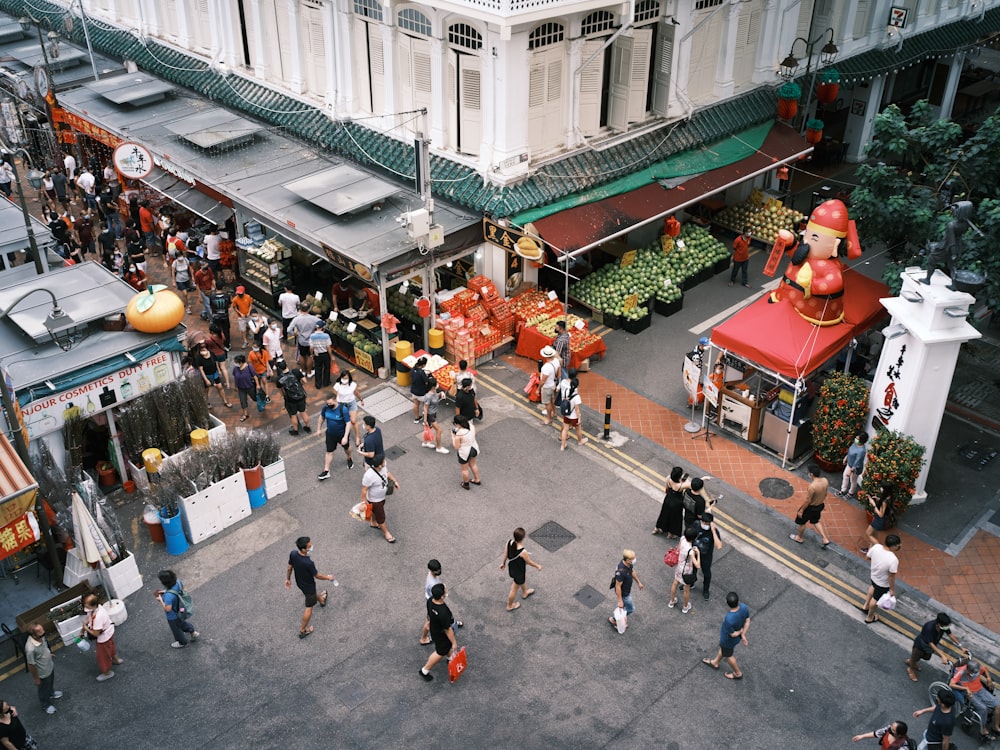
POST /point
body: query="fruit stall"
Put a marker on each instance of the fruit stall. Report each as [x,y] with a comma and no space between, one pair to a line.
[623,294]
[537,314]
[764,215]
[357,341]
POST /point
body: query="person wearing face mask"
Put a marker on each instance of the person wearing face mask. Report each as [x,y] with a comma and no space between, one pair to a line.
[271,340]
[136,278]
[260,362]
[255,328]
[13,735]
[97,626]
[300,562]
[707,541]
[349,394]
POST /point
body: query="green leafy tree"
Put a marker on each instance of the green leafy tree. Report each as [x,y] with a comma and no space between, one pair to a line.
[917,167]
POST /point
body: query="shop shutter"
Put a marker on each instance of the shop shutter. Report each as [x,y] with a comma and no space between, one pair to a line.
[621,70]
[545,99]
[662,67]
[862,10]
[470,104]
[747,37]
[591,82]
[315,49]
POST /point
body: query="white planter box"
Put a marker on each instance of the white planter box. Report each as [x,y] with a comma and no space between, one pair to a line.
[275,480]
[77,571]
[217,428]
[210,511]
[69,629]
[122,578]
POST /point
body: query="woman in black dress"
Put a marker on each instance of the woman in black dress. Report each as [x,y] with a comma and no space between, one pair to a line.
[671,515]
[516,559]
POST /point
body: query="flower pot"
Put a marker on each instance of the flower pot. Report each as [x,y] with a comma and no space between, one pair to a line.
[254,479]
[828,465]
[787,108]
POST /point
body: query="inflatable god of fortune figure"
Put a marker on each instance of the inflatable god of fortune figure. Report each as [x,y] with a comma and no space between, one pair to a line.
[813,282]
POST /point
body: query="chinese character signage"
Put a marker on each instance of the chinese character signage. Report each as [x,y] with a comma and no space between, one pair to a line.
[133,160]
[23,532]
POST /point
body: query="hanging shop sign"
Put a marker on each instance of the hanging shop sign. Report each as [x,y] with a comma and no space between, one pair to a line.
[502,236]
[81,125]
[23,532]
[49,414]
[14,508]
[133,160]
[346,264]
[172,169]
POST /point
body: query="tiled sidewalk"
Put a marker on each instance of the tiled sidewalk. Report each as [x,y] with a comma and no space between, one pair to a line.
[968,583]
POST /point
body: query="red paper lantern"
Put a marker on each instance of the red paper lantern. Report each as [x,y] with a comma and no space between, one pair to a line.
[787,108]
[814,136]
[826,93]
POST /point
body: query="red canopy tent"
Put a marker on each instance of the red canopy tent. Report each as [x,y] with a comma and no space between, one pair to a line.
[774,337]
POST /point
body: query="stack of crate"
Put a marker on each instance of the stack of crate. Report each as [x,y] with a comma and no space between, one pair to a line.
[459,339]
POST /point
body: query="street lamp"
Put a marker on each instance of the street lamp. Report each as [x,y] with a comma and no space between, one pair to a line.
[790,64]
[35,180]
[63,330]
[53,37]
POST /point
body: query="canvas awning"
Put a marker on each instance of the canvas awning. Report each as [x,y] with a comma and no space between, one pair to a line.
[189,197]
[586,225]
[15,479]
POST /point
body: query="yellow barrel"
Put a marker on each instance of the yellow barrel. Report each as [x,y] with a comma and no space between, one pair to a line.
[403,350]
[435,338]
[151,459]
[199,439]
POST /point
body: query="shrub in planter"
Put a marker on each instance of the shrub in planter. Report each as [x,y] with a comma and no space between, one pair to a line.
[894,458]
[840,415]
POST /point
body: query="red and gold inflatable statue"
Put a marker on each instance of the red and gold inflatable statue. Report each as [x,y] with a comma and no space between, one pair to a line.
[813,282]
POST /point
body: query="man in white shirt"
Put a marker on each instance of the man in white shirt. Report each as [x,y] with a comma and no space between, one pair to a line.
[885,564]
[6,178]
[289,302]
[69,165]
[213,253]
[272,340]
[550,379]
[86,184]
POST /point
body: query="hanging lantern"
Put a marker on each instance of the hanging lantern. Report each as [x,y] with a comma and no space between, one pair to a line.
[828,86]
[157,310]
[788,100]
[424,307]
[814,131]
[671,227]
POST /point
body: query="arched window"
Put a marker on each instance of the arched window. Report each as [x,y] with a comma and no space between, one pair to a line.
[545,35]
[646,10]
[411,19]
[597,23]
[464,35]
[368,9]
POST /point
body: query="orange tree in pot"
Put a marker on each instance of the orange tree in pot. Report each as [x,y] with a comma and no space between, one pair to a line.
[896,459]
[841,411]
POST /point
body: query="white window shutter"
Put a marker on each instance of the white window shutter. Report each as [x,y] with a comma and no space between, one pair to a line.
[404,72]
[662,66]
[167,16]
[199,24]
[545,99]
[639,74]
[861,20]
[591,83]
[470,104]
[621,72]
[805,21]
[315,50]
[377,68]
[421,62]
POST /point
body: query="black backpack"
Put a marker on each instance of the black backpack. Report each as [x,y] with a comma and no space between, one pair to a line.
[705,541]
[291,386]
[566,405]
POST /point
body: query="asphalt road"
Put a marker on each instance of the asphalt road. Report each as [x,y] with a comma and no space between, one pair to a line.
[553,674]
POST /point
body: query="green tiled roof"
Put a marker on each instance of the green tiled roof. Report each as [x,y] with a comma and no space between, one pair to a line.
[934,43]
[452,181]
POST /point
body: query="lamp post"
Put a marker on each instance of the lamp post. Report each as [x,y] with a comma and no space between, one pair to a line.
[790,64]
[35,180]
[63,331]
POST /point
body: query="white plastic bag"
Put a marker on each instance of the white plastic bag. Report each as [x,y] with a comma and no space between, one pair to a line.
[621,620]
[887,602]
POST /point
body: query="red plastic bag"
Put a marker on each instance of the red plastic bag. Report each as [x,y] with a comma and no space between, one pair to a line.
[457,664]
[672,557]
[534,388]
[428,434]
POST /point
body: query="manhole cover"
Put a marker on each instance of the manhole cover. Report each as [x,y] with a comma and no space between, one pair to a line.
[386,403]
[589,597]
[975,455]
[552,536]
[352,696]
[394,452]
[776,489]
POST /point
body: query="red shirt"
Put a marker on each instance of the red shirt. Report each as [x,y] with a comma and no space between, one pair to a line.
[145,219]
[204,279]
[741,249]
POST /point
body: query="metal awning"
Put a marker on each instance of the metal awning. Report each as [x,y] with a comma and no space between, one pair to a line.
[136,89]
[342,189]
[214,128]
[15,479]
[188,196]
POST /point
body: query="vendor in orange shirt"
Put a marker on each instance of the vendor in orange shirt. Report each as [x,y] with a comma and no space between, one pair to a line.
[741,257]
[242,303]
[260,362]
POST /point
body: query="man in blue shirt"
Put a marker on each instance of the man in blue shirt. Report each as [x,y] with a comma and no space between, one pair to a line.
[855,465]
[371,445]
[337,418]
[734,629]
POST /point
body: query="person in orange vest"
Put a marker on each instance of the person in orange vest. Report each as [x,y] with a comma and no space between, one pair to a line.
[741,257]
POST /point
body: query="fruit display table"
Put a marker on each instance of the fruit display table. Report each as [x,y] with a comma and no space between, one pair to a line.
[763,215]
[582,345]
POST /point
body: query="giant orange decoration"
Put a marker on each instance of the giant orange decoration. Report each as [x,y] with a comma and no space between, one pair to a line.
[156,310]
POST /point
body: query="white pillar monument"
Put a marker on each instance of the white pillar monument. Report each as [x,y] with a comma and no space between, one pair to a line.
[918,360]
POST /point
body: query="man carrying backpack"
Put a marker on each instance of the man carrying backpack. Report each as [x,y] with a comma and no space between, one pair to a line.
[179,606]
[290,384]
[707,541]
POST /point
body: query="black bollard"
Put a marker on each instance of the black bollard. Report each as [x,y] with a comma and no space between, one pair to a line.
[607,417]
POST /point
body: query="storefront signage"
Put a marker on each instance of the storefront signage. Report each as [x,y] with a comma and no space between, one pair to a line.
[48,414]
[133,160]
[17,535]
[17,506]
[888,385]
[18,415]
[87,128]
[501,236]
[364,360]
[338,259]
[897,17]
[172,169]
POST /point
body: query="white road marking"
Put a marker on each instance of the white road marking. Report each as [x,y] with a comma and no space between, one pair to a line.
[710,323]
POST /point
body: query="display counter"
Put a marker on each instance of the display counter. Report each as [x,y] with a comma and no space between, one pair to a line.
[361,347]
[530,342]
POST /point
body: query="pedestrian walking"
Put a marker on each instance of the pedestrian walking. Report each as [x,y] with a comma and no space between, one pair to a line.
[337,418]
[925,644]
[256,325]
[937,736]
[431,401]
[418,387]
[216,343]
[13,735]
[246,384]
[170,597]
[260,362]
[671,518]
[882,509]
[854,466]
[375,487]
[349,394]
[302,327]
[433,577]
[734,629]
[180,271]
[549,375]
[890,737]
[973,680]
[242,303]
[371,444]
[272,340]
[884,566]
[208,368]
[97,626]
[38,657]
[708,540]
[741,257]
[622,584]
[319,348]
[441,631]
[571,415]
[812,509]
[686,570]
[289,382]
[696,501]
[561,345]
[301,563]
[463,440]
[516,559]
[466,402]
[289,303]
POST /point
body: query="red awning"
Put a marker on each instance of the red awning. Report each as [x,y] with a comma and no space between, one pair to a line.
[15,479]
[578,227]
[776,338]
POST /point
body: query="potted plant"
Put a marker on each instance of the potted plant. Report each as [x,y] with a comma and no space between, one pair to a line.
[814,131]
[896,459]
[840,415]
[828,86]
[788,100]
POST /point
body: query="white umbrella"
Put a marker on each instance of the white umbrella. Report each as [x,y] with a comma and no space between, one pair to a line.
[91,545]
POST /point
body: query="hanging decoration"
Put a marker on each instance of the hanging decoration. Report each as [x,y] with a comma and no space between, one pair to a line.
[814,131]
[828,86]
[788,100]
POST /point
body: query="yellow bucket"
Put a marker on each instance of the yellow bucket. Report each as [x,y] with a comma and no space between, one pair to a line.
[199,439]
[435,338]
[151,459]
[403,350]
